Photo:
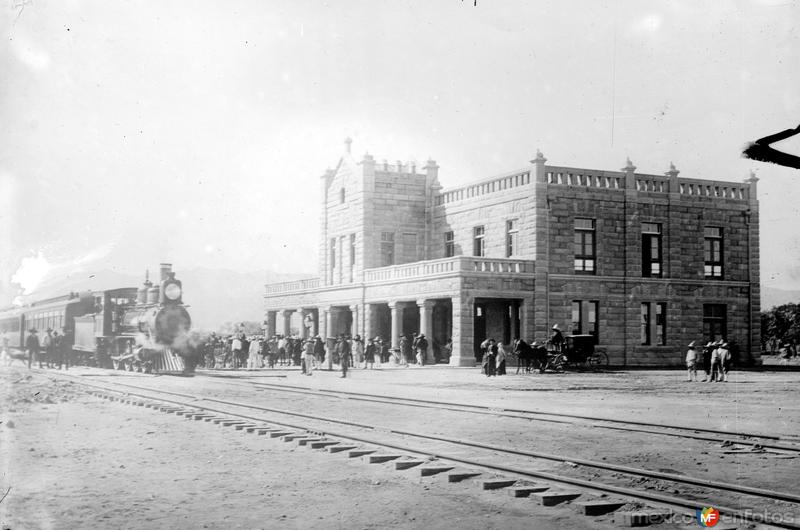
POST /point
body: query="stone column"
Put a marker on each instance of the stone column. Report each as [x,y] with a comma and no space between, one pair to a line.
[426,326]
[328,330]
[463,331]
[303,329]
[270,327]
[354,328]
[287,322]
[368,332]
[397,319]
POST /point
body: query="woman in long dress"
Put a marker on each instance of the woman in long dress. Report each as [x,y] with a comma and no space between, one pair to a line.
[253,358]
[501,359]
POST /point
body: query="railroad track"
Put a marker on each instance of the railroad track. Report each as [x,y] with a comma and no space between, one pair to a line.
[752,440]
[446,452]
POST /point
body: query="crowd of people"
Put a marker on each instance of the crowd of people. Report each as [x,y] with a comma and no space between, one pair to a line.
[715,358]
[51,351]
[240,351]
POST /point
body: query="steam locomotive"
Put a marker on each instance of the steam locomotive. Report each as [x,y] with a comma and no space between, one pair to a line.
[144,329]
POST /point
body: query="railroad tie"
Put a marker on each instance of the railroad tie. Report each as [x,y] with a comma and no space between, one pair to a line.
[554,498]
[340,448]
[429,471]
[278,434]
[322,444]
[599,507]
[379,459]
[407,464]
[355,453]
[243,426]
[458,475]
[526,491]
[497,483]
[308,440]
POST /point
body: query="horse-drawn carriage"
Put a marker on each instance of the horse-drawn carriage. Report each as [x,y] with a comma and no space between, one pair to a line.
[577,351]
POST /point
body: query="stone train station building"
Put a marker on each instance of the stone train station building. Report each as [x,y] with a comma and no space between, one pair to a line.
[646,263]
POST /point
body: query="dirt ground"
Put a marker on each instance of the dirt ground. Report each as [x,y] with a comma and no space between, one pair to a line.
[70,460]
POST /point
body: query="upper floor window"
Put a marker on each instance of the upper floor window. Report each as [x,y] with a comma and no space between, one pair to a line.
[449,244]
[387,249]
[333,253]
[478,243]
[651,250]
[713,250]
[341,196]
[512,236]
[352,255]
[585,257]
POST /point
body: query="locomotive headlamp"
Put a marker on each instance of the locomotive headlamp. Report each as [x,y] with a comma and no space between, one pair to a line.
[172,291]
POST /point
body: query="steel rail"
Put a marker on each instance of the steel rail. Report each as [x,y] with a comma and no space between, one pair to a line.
[606,488]
[568,415]
[518,414]
[684,479]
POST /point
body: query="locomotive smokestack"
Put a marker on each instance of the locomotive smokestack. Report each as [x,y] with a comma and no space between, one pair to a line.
[166,268]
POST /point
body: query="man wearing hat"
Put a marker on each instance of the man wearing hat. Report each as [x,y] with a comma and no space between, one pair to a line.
[724,362]
[691,362]
[47,346]
[707,349]
[716,362]
[32,345]
[422,349]
[557,340]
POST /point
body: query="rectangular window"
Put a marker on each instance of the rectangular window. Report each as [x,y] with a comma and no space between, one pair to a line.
[478,244]
[661,323]
[333,253]
[387,249]
[715,325]
[577,324]
[713,252]
[512,235]
[651,250]
[449,244]
[585,246]
[645,323]
[352,255]
[584,318]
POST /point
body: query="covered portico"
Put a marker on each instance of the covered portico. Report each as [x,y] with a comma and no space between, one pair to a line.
[464,299]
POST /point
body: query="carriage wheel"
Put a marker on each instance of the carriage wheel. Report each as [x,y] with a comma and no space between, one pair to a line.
[598,360]
[558,363]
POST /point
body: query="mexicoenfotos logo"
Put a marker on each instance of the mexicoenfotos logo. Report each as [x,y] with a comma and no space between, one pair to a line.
[708,517]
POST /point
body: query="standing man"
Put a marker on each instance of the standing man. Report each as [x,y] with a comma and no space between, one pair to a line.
[405,349]
[47,346]
[557,340]
[691,362]
[32,345]
[422,349]
[343,349]
[308,355]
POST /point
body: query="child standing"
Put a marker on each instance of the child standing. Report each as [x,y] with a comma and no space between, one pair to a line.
[691,362]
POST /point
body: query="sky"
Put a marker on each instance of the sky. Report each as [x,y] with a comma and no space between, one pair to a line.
[196,132]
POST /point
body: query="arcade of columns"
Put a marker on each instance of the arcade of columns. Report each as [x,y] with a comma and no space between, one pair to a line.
[362,317]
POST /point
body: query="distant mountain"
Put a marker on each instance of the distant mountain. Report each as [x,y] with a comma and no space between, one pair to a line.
[215,296]
[771,297]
